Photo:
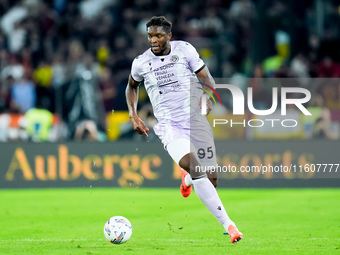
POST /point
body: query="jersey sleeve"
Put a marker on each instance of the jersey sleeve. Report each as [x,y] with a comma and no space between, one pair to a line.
[136,70]
[195,62]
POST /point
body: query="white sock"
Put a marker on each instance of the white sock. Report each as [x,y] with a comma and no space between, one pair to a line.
[208,195]
[188,180]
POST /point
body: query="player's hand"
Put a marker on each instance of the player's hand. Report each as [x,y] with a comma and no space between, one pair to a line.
[209,105]
[139,126]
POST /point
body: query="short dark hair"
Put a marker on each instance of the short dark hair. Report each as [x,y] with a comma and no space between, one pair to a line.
[160,21]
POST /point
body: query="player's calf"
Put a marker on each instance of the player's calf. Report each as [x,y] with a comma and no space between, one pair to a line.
[213,181]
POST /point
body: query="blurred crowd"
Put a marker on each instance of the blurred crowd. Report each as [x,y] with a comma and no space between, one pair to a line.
[69,60]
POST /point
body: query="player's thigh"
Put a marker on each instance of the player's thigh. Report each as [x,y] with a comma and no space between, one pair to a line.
[206,151]
[179,148]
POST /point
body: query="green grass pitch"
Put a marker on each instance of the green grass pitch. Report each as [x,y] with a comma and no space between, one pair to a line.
[71,221]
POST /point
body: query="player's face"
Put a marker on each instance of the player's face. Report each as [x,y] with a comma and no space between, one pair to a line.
[159,40]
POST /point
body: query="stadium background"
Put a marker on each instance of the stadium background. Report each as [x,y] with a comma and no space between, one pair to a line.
[72,59]
[66,62]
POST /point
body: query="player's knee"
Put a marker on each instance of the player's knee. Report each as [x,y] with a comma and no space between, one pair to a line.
[213,181]
[185,163]
[190,164]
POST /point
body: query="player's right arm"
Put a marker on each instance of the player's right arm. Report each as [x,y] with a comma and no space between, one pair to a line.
[131,93]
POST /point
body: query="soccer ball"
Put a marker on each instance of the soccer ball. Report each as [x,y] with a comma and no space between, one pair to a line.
[118,229]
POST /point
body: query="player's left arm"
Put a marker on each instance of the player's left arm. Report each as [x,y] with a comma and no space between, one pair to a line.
[205,79]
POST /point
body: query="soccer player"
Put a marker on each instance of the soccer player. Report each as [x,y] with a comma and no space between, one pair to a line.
[167,69]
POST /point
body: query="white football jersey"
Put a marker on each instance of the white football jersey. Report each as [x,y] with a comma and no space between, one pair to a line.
[167,80]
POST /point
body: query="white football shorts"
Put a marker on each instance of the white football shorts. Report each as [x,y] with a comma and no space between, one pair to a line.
[192,135]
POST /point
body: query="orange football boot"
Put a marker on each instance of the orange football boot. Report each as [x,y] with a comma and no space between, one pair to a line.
[234,234]
[185,189]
